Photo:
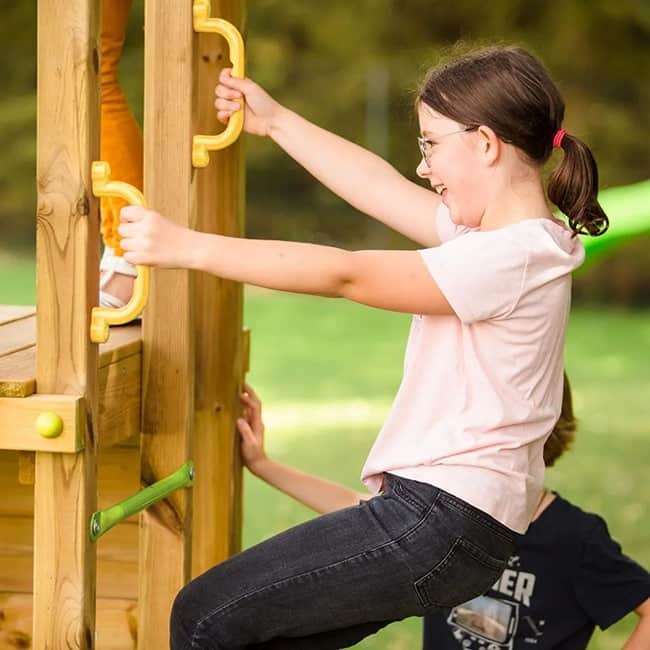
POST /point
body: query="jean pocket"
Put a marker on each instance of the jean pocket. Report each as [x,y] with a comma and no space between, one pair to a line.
[465,572]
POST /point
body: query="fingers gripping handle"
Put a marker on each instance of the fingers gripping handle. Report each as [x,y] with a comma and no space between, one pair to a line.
[201,144]
[102,317]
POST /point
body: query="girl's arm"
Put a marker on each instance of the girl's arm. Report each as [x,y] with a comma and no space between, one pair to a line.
[366,181]
[640,637]
[393,280]
[315,493]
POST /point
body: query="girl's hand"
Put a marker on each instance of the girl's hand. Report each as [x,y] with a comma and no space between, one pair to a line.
[251,429]
[149,238]
[261,108]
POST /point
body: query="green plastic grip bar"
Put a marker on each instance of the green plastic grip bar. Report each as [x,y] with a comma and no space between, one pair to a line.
[628,208]
[103,520]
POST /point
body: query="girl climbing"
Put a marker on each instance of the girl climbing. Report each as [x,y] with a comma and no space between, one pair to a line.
[457,468]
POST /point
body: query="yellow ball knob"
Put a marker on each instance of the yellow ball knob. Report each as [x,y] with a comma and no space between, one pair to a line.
[49,425]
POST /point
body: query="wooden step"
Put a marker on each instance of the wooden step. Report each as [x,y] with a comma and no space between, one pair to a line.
[18,349]
[120,363]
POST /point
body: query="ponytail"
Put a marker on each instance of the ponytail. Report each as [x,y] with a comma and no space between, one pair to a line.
[573,187]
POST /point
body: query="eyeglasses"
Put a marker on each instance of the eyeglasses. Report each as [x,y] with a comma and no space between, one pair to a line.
[426,146]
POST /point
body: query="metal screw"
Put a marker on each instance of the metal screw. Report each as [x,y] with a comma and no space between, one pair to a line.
[95,527]
[191,472]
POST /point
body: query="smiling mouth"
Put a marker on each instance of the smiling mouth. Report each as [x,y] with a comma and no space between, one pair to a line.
[439,189]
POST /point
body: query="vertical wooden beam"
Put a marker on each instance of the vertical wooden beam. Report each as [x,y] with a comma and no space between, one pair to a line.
[67,273]
[218,323]
[168,344]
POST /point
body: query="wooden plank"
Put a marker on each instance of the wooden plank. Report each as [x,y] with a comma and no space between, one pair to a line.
[168,352]
[14,312]
[17,335]
[18,373]
[67,272]
[218,325]
[18,420]
[118,477]
[18,369]
[120,387]
[26,467]
[116,622]
[124,341]
[117,558]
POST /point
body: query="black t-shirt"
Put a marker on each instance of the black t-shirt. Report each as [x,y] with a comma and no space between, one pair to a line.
[567,575]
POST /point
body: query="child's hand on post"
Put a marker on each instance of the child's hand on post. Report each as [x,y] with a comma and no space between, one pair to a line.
[251,429]
[261,108]
[149,238]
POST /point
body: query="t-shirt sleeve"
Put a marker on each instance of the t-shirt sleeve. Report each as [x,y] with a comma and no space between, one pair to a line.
[481,274]
[608,584]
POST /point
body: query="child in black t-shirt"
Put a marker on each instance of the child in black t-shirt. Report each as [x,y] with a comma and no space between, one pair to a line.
[567,574]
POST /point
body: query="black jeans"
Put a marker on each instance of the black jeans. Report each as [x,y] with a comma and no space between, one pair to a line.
[332,581]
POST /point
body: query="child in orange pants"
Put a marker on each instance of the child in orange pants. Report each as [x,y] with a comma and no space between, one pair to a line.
[121,147]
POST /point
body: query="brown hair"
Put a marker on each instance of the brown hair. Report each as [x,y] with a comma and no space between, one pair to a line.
[564,431]
[509,90]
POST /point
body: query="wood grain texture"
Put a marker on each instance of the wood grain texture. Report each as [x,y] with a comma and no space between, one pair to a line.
[168,352]
[220,192]
[118,477]
[117,558]
[120,386]
[67,251]
[18,368]
[18,417]
[116,622]
[13,312]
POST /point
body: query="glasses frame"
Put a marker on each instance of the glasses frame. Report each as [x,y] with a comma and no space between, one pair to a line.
[426,146]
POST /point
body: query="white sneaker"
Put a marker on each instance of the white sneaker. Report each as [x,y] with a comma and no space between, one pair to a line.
[111,264]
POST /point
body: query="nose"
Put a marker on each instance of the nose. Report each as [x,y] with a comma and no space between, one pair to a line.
[422,170]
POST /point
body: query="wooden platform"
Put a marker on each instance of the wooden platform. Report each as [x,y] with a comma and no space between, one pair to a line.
[118,468]
[120,366]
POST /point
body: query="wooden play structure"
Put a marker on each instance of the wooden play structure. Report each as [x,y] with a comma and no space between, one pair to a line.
[86,425]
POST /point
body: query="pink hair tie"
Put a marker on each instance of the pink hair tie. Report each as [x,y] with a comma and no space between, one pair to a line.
[558,137]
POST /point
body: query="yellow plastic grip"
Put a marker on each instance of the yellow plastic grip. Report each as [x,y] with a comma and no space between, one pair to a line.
[201,144]
[102,317]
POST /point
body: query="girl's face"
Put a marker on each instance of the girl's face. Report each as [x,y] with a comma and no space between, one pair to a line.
[454,166]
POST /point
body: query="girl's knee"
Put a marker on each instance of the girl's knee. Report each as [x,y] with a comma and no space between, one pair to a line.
[186,631]
[183,620]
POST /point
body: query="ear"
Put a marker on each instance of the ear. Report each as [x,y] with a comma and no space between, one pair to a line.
[489,144]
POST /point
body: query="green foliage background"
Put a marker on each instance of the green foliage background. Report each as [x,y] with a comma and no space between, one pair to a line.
[352,68]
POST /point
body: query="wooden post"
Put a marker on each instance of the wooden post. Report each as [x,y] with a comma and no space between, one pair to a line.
[168,334]
[67,272]
[220,196]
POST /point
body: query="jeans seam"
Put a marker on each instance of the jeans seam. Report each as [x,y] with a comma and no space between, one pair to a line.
[471,549]
[234,602]
[468,511]
[400,490]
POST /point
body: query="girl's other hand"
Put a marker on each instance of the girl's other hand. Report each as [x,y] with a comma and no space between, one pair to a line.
[149,238]
[251,429]
[261,108]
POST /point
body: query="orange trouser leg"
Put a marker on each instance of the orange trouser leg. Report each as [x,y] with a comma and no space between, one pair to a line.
[121,138]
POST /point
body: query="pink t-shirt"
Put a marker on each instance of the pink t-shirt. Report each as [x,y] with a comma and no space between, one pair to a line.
[482,389]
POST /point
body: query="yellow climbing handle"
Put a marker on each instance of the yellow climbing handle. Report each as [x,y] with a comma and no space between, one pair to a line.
[102,317]
[201,144]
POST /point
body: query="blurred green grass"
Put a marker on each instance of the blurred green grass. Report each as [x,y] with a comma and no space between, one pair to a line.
[327,371]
